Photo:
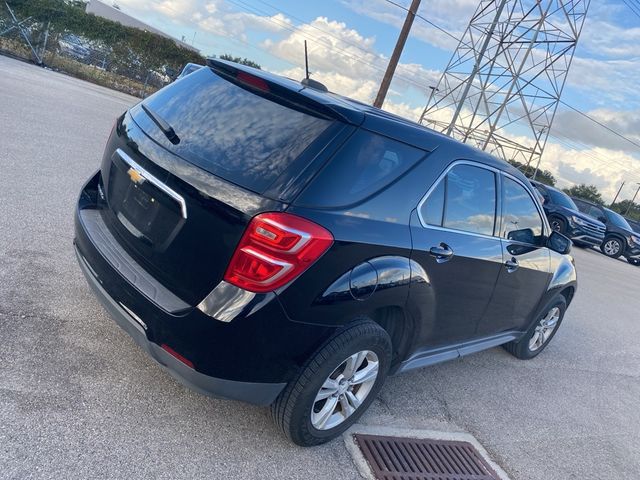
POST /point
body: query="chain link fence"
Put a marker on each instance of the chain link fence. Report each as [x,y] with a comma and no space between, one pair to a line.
[67,52]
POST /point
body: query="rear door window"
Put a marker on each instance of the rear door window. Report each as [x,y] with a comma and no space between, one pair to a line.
[465,199]
[230,131]
[364,165]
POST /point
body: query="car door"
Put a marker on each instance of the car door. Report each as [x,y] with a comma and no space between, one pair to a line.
[526,272]
[454,242]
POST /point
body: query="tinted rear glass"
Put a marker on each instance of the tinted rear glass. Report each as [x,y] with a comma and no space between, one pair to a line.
[617,219]
[230,131]
[562,199]
[364,165]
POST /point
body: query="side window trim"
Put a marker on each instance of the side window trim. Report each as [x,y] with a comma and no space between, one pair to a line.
[441,177]
[543,217]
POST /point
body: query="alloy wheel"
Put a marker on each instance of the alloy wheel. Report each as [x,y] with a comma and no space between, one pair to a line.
[555,225]
[345,390]
[544,329]
[611,247]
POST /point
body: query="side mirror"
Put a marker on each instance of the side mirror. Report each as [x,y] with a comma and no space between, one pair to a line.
[559,243]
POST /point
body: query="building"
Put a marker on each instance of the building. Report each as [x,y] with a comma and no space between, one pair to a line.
[101,9]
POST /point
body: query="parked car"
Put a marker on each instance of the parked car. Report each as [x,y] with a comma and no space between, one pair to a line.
[565,217]
[620,239]
[284,246]
[634,224]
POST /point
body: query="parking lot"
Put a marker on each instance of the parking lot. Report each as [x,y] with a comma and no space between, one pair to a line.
[78,399]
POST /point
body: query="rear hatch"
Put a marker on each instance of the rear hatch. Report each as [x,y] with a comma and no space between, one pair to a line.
[185,170]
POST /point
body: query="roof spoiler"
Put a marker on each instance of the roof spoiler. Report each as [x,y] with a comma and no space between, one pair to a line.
[286,91]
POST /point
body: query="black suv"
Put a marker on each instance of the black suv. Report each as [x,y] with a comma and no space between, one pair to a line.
[277,244]
[565,217]
[620,239]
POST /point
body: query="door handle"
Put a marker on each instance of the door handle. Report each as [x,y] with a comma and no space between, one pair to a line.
[512,265]
[442,253]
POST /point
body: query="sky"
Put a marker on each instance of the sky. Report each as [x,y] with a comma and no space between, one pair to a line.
[350,42]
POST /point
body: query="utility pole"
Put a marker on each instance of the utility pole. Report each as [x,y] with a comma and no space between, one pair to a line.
[395,56]
[633,199]
[617,194]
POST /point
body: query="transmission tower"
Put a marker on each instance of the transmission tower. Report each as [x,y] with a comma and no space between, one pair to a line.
[502,86]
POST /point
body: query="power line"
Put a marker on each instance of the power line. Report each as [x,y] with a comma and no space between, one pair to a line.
[252,9]
[618,134]
[601,124]
[633,7]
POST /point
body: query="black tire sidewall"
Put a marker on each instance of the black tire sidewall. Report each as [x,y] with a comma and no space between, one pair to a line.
[306,433]
[561,222]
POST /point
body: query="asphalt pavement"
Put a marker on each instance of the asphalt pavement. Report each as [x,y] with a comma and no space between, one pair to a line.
[78,399]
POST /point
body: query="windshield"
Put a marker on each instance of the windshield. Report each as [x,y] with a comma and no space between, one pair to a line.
[562,199]
[617,219]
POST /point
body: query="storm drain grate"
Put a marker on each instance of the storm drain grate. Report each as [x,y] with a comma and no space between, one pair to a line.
[394,458]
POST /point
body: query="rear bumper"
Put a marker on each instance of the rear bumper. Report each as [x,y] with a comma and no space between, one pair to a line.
[251,358]
[252,392]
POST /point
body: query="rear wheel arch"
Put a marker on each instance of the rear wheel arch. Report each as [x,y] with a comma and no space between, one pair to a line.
[397,323]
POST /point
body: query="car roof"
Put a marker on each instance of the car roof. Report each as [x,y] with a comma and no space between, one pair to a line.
[373,118]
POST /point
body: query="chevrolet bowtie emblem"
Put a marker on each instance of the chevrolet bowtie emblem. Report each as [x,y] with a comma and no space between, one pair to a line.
[135,176]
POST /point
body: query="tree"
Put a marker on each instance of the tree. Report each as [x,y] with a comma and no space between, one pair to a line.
[130,47]
[622,207]
[240,60]
[543,176]
[586,192]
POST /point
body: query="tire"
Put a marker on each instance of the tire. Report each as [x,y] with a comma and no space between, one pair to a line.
[558,224]
[297,404]
[522,348]
[612,247]
[634,261]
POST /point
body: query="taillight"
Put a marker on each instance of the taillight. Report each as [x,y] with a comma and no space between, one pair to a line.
[275,249]
[253,81]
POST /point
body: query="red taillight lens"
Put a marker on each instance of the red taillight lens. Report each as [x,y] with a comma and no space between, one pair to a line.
[252,80]
[275,249]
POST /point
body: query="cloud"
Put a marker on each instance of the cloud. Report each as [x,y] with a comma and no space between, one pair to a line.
[213,16]
[345,61]
[436,11]
[577,127]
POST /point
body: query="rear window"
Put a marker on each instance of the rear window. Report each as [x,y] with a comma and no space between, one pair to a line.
[229,131]
[617,219]
[562,199]
[364,165]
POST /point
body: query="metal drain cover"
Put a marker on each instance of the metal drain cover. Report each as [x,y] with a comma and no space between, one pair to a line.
[395,458]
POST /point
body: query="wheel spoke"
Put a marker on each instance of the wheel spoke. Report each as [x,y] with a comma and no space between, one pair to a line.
[325,393]
[347,408]
[370,372]
[353,363]
[327,410]
[344,390]
[354,401]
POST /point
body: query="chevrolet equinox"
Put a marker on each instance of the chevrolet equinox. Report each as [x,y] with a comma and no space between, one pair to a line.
[271,242]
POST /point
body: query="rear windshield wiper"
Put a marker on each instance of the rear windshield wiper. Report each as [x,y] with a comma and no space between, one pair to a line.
[162,124]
